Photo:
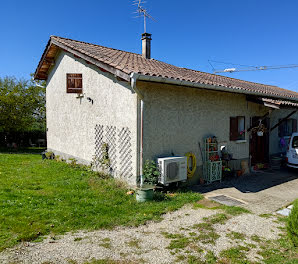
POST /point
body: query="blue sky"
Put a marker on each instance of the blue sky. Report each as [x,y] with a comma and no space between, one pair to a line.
[187,33]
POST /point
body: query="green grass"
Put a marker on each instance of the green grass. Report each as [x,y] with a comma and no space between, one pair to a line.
[234,210]
[106,243]
[111,261]
[217,219]
[279,251]
[210,258]
[235,254]
[256,238]
[179,243]
[211,205]
[236,235]
[40,197]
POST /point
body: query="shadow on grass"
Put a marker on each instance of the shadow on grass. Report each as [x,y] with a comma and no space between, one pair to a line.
[28,150]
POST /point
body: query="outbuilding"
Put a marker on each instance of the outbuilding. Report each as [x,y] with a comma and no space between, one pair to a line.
[127,108]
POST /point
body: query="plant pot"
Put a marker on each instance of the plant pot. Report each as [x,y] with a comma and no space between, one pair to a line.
[260,133]
[144,195]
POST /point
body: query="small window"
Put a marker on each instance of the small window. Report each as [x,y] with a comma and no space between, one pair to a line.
[74,83]
[287,127]
[237,128]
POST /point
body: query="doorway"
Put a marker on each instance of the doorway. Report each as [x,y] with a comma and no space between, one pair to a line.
[259,145]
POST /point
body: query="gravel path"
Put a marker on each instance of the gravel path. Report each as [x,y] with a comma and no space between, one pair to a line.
[147,243]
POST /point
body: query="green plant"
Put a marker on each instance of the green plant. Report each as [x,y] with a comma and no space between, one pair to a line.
[105,159]
[150,172]
[50,155]
[73,162]
[292,225]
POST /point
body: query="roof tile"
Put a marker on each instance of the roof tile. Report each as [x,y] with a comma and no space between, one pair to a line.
[131,62]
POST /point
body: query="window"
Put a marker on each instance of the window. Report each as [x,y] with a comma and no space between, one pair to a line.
[74,83]
[295,142]
[287,127]
[237,128]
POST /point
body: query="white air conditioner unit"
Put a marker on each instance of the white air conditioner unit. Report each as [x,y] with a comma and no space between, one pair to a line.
[172,169]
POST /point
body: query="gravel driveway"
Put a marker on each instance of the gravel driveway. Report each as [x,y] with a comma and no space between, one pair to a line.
[185,232]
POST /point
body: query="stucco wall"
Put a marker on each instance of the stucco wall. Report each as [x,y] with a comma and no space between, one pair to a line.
[274,147]
[73,122]
[177,118]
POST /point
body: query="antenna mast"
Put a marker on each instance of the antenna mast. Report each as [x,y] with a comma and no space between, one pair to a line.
[142,12]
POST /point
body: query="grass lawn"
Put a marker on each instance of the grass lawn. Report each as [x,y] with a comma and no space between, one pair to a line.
[40,197]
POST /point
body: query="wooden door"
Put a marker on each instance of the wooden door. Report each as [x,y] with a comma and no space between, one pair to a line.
[259,146]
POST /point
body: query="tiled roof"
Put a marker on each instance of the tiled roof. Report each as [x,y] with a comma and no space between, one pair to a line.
[279,102]
[128,63]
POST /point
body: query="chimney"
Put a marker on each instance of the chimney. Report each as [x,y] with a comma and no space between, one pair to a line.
[146,45]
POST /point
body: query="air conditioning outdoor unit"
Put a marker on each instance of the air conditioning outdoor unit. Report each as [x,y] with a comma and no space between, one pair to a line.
[172,169]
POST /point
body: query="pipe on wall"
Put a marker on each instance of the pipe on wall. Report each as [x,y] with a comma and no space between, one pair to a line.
[140,122]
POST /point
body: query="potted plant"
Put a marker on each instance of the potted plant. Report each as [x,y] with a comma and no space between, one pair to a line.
[260,129]
[149,179]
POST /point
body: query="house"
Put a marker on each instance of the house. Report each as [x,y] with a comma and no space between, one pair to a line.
[129,108]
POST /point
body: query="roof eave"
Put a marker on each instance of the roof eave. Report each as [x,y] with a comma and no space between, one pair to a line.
[103,66]
[165,80]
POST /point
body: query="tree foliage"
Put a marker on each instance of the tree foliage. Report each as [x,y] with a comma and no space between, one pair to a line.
[22,105]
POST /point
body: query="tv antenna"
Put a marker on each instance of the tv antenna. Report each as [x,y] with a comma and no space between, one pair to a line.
[142,12]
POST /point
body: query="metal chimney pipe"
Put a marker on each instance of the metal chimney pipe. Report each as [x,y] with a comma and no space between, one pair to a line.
[146,45]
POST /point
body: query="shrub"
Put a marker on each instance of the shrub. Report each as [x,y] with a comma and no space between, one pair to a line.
[292,226]
[150,172]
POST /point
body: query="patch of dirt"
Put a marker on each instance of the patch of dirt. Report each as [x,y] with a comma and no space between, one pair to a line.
[208,203]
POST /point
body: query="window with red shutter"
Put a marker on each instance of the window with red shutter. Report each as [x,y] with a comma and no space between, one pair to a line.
[74,83]
[237,128]
[233,128]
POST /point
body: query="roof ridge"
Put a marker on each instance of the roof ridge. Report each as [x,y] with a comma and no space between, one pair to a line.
[128,62]
[92,44]
[139,55]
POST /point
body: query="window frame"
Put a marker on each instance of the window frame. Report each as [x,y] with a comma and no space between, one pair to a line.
[235,133]
[77,79]
[281,126]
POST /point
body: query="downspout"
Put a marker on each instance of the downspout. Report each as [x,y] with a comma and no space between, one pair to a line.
[140,122]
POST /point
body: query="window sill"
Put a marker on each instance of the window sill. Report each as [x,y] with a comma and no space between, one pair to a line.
[241,141]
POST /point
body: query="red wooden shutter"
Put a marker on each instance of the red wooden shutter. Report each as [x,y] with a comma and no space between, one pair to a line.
[233,128]
[294,125]
[74,83]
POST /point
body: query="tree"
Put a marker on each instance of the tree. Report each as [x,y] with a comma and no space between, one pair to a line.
[22,105]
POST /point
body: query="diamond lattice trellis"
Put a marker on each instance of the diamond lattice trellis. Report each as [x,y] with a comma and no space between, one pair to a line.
[99,132]
[125,153]
[110,138]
